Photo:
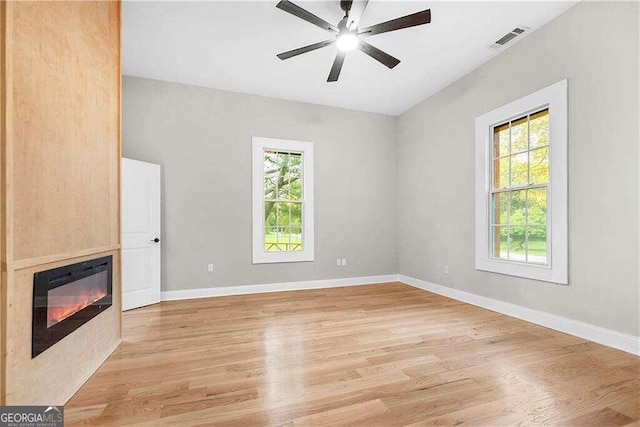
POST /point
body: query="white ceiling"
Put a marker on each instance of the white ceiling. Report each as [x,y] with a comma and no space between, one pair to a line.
[232,45]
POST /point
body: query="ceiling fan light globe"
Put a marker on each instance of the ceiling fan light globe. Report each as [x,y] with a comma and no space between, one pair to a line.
[347,42]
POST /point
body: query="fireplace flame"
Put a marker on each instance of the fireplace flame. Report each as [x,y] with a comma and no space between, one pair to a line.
[65,305]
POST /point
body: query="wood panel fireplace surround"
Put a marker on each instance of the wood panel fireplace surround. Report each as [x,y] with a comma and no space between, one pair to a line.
[66,298]
[60,144]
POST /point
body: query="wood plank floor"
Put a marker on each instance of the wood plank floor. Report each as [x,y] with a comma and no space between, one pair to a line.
[381,355]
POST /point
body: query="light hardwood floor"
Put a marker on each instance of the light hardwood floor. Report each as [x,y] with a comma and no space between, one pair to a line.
[372,355]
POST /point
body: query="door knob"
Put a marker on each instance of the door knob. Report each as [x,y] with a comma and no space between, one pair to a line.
[156,240]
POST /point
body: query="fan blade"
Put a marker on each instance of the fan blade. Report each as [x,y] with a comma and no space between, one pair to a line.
[355,13]
[305,49]
[301,13]
[336,67]
[378,55]
[412,20]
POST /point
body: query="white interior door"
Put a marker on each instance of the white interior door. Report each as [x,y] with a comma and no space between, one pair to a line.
[140,233]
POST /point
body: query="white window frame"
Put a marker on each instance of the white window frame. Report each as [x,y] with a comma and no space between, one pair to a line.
[259,146]
[554,98]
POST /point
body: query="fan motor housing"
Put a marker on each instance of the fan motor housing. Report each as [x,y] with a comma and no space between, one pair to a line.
[342,25]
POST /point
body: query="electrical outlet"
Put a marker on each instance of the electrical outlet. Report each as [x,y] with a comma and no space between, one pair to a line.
[338,263]
[446,269]
[210,267]
[344,261]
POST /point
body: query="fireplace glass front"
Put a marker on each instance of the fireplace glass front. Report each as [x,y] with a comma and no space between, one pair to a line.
[67,297]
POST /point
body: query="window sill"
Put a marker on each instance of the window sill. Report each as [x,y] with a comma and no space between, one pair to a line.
[540,272]
[274,258]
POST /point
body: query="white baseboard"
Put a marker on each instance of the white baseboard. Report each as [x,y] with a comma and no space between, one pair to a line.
[618,340]
[275,287]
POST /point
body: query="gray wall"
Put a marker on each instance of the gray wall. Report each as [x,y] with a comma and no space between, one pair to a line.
[595,46]
[202,139]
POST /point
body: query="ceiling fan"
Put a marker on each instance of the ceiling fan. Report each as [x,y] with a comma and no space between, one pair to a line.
[347,36]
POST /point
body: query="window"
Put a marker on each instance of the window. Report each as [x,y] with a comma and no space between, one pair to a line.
[282,201]
[521,187]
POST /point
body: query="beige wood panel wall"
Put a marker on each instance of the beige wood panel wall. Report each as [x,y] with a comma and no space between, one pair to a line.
[60,156]
[3,279]
[65,77]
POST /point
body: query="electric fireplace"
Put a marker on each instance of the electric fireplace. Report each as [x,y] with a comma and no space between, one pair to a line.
[65,298]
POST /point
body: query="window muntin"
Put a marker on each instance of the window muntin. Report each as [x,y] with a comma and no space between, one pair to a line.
[519,189]
[283,201]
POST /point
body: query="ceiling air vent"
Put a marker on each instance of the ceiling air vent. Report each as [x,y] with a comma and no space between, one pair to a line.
[502,41]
